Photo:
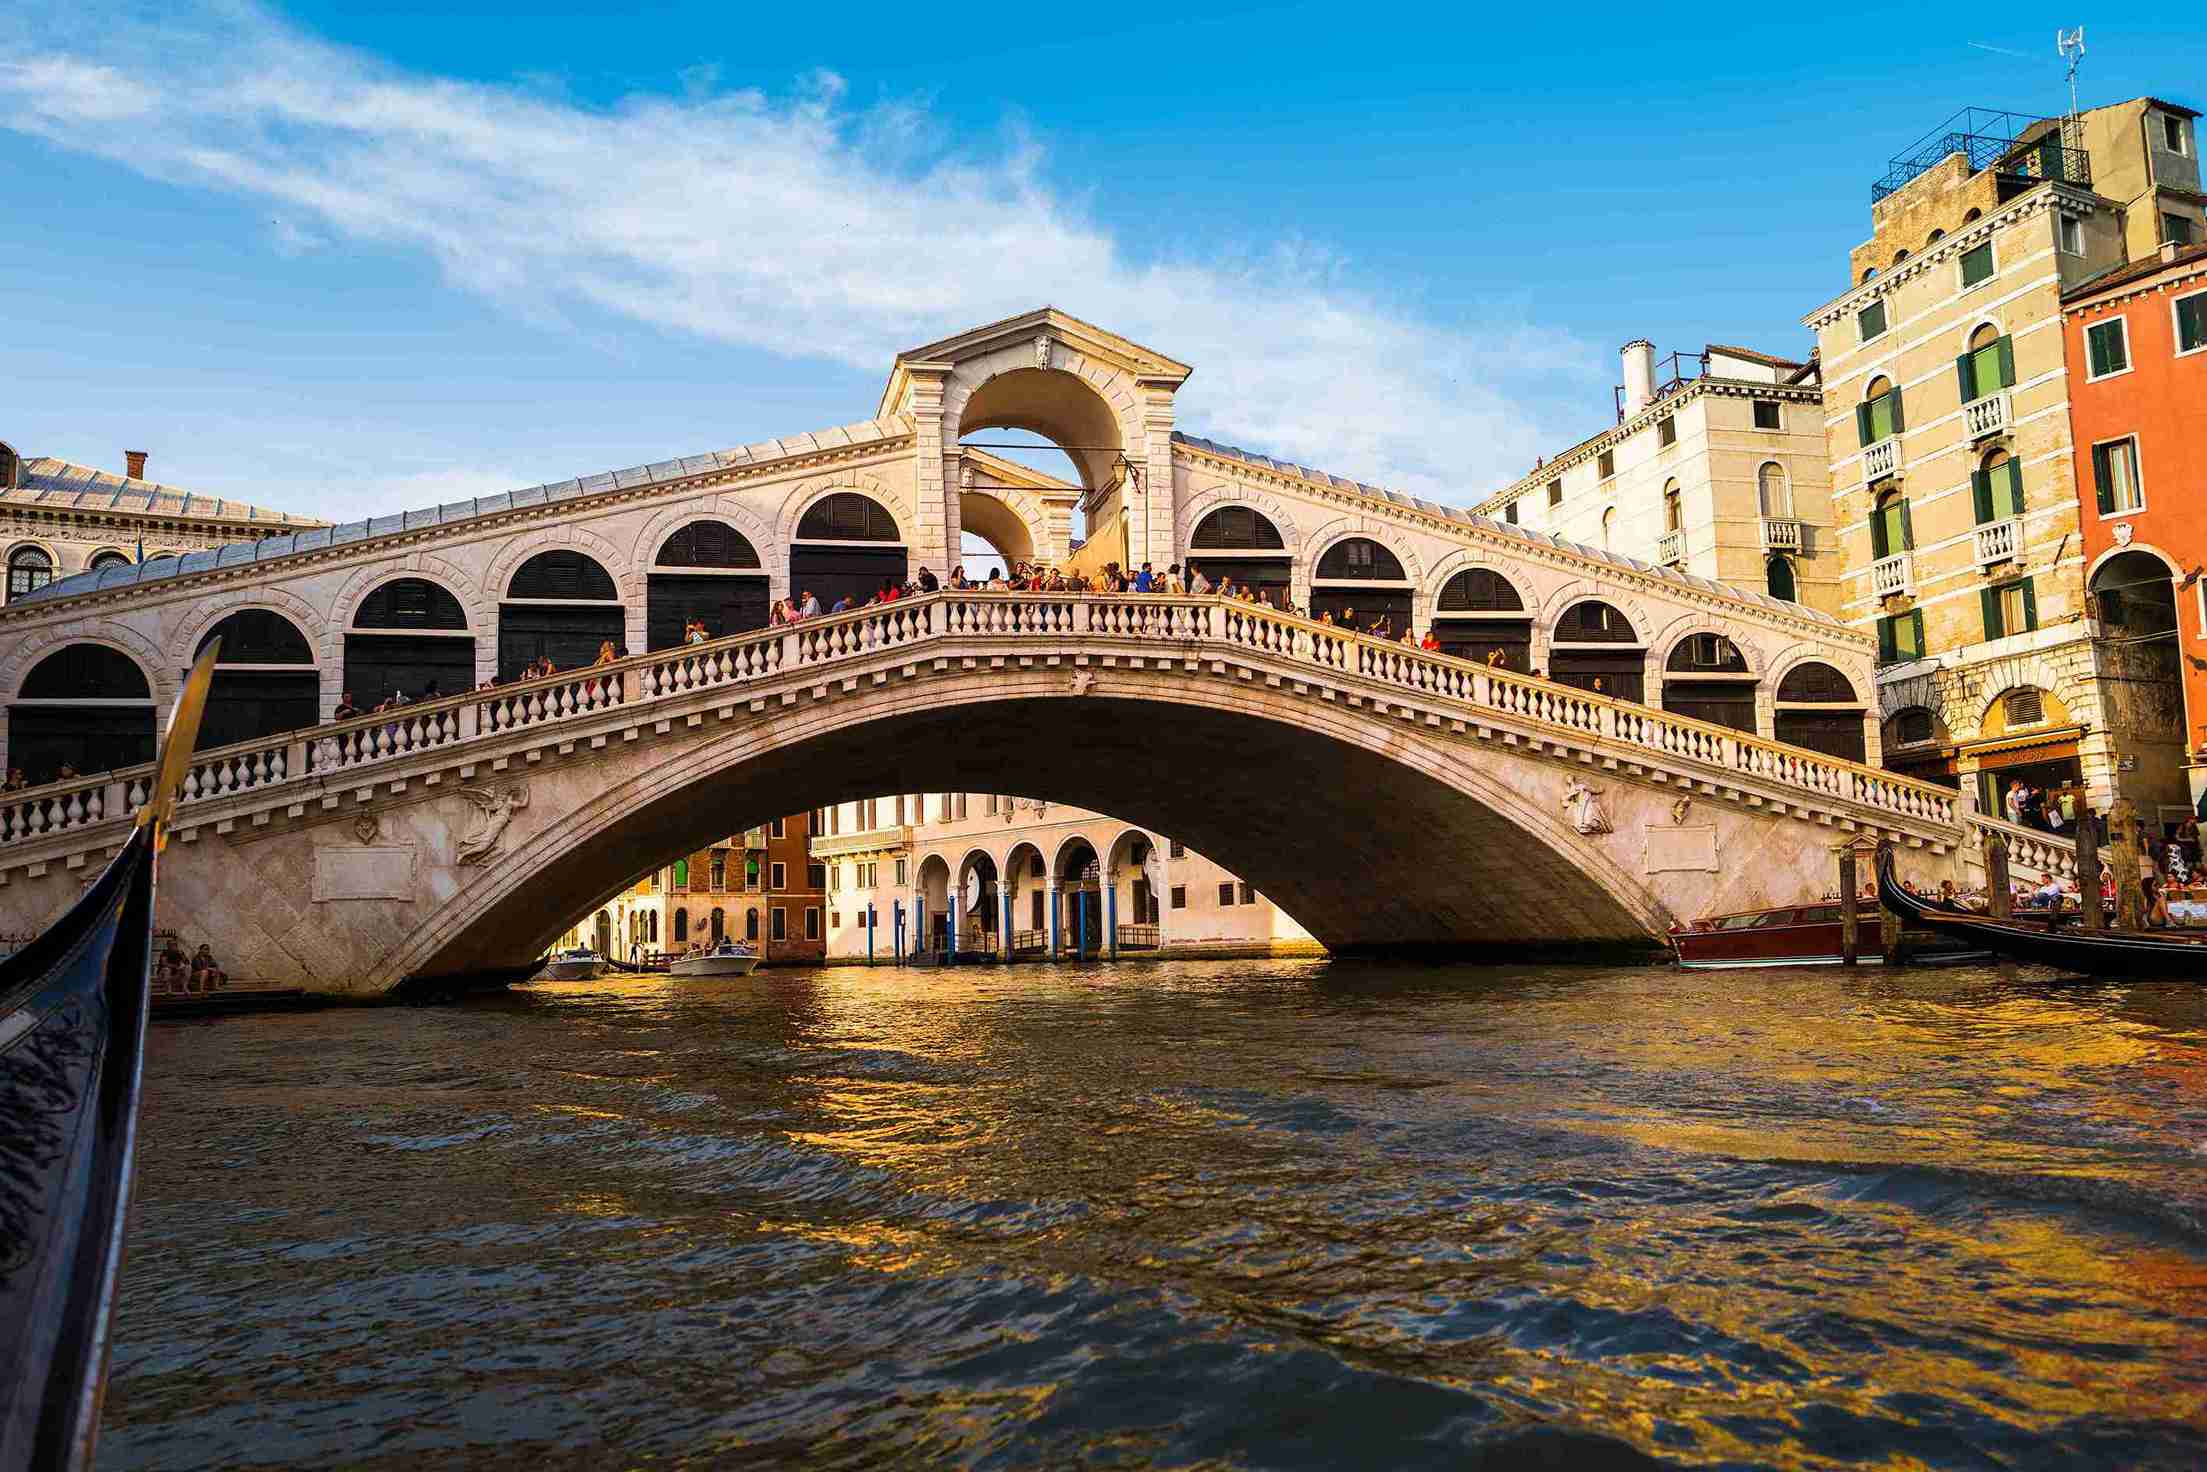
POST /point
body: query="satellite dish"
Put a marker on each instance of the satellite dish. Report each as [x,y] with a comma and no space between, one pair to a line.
[973,890]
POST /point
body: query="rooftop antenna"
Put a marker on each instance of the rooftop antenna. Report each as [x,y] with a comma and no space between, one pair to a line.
[2071,46]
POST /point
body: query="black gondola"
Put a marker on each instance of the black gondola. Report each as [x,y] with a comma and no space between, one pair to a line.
[2144,955]
[73,1007]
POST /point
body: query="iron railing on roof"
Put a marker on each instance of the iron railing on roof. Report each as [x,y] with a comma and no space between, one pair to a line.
[1671,374]
[2014,144]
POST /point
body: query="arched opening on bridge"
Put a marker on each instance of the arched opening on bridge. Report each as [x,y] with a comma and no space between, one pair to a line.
[1027,879]
[1080,898]
[1817,708]
[847,545]
[994,536]
[605,934]
[931,894]
[1241,543]
[1481,616]
[407,636]
[561,606]
[979,903]
[1363,586]
[1136,877]
[709,572]
[265,681]
[1594,647]
[1706,677]
[1054,422]
[84,708]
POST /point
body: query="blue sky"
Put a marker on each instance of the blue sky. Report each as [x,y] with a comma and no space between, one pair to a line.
[338,259]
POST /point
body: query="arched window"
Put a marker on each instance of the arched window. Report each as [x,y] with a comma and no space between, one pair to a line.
[1616,666]
[1815,683]
[86,672]
[1899,256]
[2023,706]
[1706,654]
[407,635]
[258,636]
[1934,238]
[1911,726]
[1890,531]
[1479,616]
[264,682]
[1594,622]
[102,561]
[1706,677]
[1609,525]
[1237,528]
[720,924]
[848,516]
[1674,508]
[28,568]
[1817,708]
[681,875]
[1973,215]
[84,708]
[707,544]
[410,603]
[1479,590]
[1359,559]
[681,927]
[1869,274]
[750,924]
[721,585]
[1997,487]
[559,606]
[1773,491]
[1778,577]
[1878,416]
[1988,365]
[561,575]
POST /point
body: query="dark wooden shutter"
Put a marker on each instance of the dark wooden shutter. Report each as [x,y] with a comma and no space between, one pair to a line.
[2030,605]
[1965,368]
[2007,362]
[1988,600]
[1887,647]
[2103,479]
[1862,423]
[1899,421]
[1980,484]
[1907,528]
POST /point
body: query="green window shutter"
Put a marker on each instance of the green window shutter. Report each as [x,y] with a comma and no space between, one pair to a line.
[2191,323]
[2007,361]
[1899,423]
[2008,496]
[1915,632]
[1887,642]
[1907,530]
[1980,484]
[1988,602]
[1878,549]
[1965,368]
[2030,605]
[2103,481]
[2095,351]
[1862,424]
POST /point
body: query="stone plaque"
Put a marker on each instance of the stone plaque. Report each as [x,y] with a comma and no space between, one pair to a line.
[1681,848]
[385,873]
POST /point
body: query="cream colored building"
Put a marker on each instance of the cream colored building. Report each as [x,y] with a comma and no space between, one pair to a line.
[58,519]
[1947,418]
[1076,882]
[1715,467]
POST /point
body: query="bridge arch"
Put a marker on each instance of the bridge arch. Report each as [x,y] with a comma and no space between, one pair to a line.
[1088,409]
[1007,519]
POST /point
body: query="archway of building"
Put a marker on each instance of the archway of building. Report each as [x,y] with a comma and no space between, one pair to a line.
[1240,544]
[1467,859]
[980,903]
[1706,677]
[407,635]
[988,522]
[85,708]
[1594,647]
[562,606]
[1480,615]
[604,930]
[1027,881]
[1081,883]
[846,546]
[1131,906]
[1817,707]
[1361,585]
[265,680]
[931,894]
[2135,598]
[705,572]
[1060,407]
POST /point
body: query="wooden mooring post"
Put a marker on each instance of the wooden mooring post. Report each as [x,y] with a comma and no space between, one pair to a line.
[1999,903]
[2122,837]
[1850,919]
[2088,870]
[1888,919]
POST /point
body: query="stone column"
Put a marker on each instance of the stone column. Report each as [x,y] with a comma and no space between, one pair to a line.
[1152,514]
[934,493]
[1057,928]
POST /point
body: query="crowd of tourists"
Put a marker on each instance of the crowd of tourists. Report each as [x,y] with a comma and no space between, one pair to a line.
[174,971]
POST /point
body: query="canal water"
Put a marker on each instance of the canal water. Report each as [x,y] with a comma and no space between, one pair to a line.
[1213,1215]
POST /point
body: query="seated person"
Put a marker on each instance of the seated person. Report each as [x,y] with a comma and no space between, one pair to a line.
[206,975]
[171,968]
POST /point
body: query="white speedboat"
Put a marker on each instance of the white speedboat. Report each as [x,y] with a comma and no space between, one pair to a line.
[729,958]
[579,964]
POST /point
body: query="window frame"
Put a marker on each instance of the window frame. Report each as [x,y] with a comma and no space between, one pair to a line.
[777,924]
[1605,465]
[2176,323]
[1888,641]
[2174,137]
[777,874]
[2068,229]
[1992,265]
[1884,325]
[1226,894]
[2122,324]
[1666,431]
[1555,492]
[1180,896]
[1777,410]
[1993,611]
[2137,476]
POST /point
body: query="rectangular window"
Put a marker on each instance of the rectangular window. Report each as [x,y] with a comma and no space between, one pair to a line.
[2069,235]
[780,877]
[2176,229]
[816,877]
[1900,637]
[1988,370]
[1555,492]
[1890,531]
[2191,322]
[2010,608]
[1509,513]
[1248,895]
[2172,132]
[1998,491]
[1870,321]
[2115,476]
[1607,464]
[778,830]
[1879,418]
[1977,265]
[1767,414]
[812,924]
[1666,431]
[778,923]
[1176,849]
[2106,348]
[1180,896]
[900,809]
[900,874]
[1225,895]
[720,869]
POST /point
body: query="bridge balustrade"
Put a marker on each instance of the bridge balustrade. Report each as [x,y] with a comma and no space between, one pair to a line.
[761,654]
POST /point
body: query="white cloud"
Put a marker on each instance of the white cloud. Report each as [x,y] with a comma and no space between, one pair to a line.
[799,225]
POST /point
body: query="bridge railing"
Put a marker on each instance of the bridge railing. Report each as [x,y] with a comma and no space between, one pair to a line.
[339,750]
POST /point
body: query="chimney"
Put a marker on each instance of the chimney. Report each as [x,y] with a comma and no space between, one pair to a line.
[134,464]
[1639,356]
[2169,248]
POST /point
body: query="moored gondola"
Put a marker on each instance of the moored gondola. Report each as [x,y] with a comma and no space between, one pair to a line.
[2141,955]
[73,1007]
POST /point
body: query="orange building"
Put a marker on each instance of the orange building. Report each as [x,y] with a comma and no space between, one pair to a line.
[2135,341]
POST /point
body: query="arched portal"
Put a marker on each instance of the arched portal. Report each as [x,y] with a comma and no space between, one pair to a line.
[29,569]
[980,903]
[559,605]
[1080,878]
[1707,678]
[994,522]
[931,894]
[265,681]
[408,636]
[604,929]
[84,708]
[1061,407]
[709,573]
[1135,879]
[1362,584]
[1027,879]
[1241,543]
[847,545]
[1595,648]
[1480,615]
[1817,708]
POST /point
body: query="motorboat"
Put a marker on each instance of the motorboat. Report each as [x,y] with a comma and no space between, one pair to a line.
[728,958]
[1802,935]
[579,964]
[2055,940]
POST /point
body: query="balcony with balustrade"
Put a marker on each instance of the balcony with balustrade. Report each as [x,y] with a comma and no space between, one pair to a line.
[1893,575]
[1881,461]
[1670,548]
[1997,541]
[1781,534]
[1994,414]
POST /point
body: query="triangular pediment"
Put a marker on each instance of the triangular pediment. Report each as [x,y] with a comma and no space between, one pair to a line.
[1095,343]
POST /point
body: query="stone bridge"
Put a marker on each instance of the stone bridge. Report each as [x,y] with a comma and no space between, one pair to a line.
[1386,797]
